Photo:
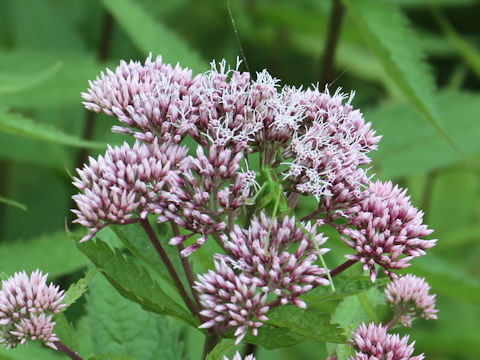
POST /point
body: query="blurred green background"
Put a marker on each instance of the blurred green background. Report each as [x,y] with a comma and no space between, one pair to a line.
[414,64]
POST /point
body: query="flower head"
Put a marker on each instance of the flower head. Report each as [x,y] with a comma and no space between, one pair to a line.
[27,306]
[410,294]
[383,227]
[373,342]
[124,182]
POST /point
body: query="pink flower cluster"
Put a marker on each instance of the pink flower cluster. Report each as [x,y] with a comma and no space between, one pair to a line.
[268,259]
[374,342]
[410,296]
[312,142]
[27,306]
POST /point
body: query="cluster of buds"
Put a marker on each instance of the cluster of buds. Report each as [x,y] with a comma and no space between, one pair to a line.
[374,342]
[27,306]
[312,143]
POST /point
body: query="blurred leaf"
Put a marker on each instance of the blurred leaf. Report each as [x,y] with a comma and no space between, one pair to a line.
[452,189]
[120,326]
[75,291]
[386,30]
[111,357]
[35,350]
[221,349]
[12,203]
[411,147]
[61,88]
[307,323]
[461,236]
[52,253]
[427,3]
[152,36]
[133,282]
[17,124]
[468,52]
[447,278]
[10,83]
[65,332]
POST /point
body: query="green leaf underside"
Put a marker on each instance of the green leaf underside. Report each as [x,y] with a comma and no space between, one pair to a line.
[119,326]
[133,282]
[17,124]
[387,32]
[410,147]
[14,203]
[149,35]
[12,83]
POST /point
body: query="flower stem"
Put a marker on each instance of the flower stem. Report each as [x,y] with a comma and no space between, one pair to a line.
[186,265]
[163,255]
[394,320]
[67,351]
[342,267]
[211,340]
[336,17]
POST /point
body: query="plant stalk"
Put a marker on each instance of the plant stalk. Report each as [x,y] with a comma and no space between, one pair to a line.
[67,351]
[163,255]
[211,340]
[334,27]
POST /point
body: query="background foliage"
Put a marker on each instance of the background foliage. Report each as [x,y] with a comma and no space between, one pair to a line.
[414,64]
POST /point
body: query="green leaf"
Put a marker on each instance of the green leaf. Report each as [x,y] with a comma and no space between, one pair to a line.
[119,326]
[133,282]
[411,147]
[221,349]
[62,88]
[151,36]
[447,278]
[17,124]
[386,31]
[63,257]
[75,291]
[10,83]
[307,323]
[12,203]
[137,242]
[467,51]
[65,332]
[271,337]
[111,357]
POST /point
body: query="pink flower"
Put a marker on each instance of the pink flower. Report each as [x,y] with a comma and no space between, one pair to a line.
[27,306]
[373,342]
[383,227]
[124,183]
[410,295]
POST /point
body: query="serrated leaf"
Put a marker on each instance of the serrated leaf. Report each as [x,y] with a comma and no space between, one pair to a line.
[75,291]
[11,83]
[137,242]
[17,124]
[54,253]
[345,286]
[133,282]
[151,36]
[386,31]
[221,349]
[307,323]
[119,326]
[64,331]
[11,202]
[411,147]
